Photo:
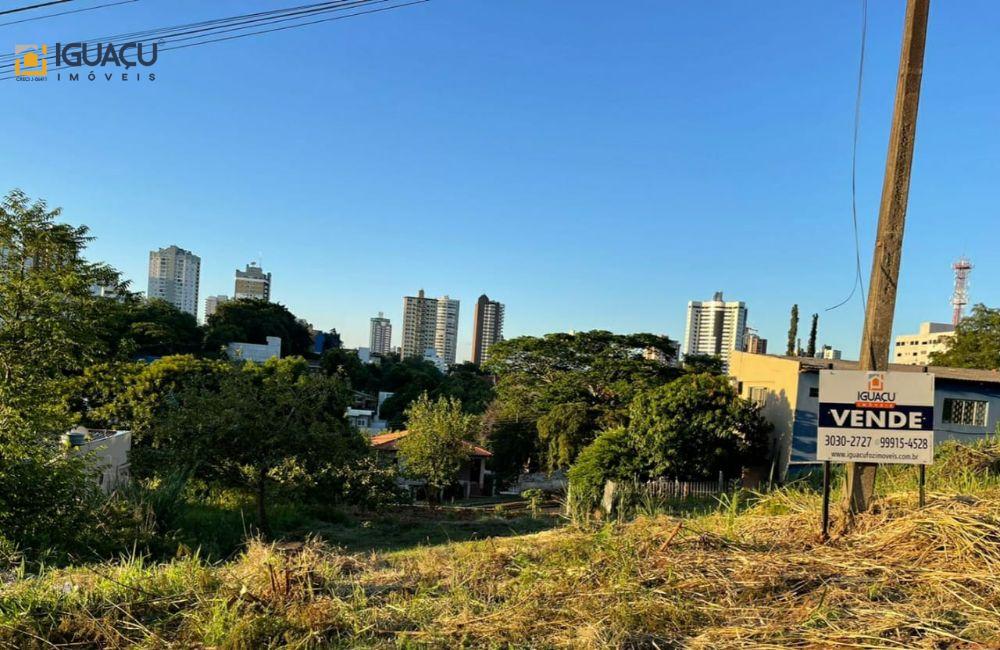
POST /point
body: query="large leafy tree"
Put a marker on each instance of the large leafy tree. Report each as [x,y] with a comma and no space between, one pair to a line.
[252,321]
[695,427]
[265,426]
[691,428]
[598,369]
[976,343]
[136,327]
[50,325]
[564,431]
[437,443]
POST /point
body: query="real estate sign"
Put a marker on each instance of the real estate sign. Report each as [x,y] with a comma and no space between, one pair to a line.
[876,417]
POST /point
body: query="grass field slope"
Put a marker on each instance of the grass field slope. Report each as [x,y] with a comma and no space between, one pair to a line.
[751,573]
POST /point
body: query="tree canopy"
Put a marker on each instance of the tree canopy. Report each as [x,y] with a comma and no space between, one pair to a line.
[271,424]
[976,343]
[599,371]
[50,326]
[252,321]
[437,443]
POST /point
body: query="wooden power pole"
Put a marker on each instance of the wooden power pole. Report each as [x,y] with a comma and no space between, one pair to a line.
[875,337]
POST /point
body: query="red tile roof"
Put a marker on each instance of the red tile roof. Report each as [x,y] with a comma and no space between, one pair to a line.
[388,442]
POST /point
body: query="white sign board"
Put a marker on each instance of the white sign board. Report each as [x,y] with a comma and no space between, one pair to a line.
[875,417]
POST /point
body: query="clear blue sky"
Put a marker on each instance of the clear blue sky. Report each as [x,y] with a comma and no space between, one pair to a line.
[590,164]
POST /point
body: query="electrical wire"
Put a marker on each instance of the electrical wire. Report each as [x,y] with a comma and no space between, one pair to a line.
[65,13]
[187,28]
[858,278]
[35,6]
[204,29]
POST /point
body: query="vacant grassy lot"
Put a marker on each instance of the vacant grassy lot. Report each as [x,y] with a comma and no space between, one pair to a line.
[750,574]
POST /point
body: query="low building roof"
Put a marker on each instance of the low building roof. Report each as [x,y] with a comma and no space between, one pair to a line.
[810,364]
[390,441]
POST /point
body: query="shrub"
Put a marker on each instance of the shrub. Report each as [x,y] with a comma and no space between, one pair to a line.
[371,485]
[612,456]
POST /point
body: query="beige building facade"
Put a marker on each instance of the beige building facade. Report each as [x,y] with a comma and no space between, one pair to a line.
[916,349]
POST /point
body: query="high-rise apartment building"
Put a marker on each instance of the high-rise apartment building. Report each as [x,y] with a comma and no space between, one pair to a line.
[430,323]
[715,327]
[380,336]
[253,283]
[212,303]
[173,276]
[916,349]
[487,328]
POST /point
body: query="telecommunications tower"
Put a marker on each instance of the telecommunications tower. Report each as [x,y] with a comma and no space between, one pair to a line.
[960,298]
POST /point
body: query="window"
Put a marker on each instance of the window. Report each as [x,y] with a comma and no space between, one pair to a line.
[758,395]
[968,412]
[813,391]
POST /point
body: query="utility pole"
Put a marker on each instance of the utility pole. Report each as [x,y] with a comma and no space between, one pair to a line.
[875,337]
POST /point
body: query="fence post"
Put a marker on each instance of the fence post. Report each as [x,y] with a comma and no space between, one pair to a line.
[721,484]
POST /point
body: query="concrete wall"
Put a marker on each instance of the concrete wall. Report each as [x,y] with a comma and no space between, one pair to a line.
[109,456]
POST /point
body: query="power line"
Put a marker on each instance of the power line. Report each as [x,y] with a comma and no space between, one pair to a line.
[858,278]
[314,22]
[170,35]
[209,27]
[65,13]
[36,6]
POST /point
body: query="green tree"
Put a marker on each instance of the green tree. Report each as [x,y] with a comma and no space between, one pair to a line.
[437,444]
[146,392]
[702,363]
[793,332]
[564,431]
[160,329]
[252,321]
[406,380]
[976,343]
[612,456]
[599,369]
[270,425]
[50,330]
[696,426]
[469,384]
[136,327]
[811,346]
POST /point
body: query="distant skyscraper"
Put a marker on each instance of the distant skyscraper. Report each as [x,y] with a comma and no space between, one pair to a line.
[430,323]
[487,328]
[253,283]
[715,327]
[380,336]
[212,303]
[173,276]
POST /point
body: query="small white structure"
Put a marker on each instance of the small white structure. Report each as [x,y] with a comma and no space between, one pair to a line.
[256,352]
[360,418]
[108,451]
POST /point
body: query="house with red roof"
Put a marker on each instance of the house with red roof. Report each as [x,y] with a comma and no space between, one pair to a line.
[471,477]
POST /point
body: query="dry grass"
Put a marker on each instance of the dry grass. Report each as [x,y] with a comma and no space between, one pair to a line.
[758,578]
